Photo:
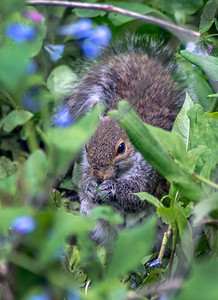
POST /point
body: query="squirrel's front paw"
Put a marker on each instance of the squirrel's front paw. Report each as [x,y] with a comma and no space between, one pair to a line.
[91,189]
[107,190]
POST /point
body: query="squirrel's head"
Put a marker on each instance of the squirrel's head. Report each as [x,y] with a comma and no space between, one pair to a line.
[109,151]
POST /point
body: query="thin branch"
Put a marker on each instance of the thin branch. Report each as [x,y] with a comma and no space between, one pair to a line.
[202,179]
[111,8]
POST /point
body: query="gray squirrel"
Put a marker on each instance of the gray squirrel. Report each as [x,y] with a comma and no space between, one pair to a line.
[112,169]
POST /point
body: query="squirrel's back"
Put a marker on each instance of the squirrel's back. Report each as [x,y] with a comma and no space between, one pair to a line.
[134,76]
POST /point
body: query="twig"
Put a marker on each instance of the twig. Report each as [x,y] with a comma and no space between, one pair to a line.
[111,8]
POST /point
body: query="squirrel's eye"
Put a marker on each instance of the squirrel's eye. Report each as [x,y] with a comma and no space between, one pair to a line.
[121,149]
[86,148]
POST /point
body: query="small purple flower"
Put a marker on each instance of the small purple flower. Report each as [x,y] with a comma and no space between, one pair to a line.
[63,118]
[101,35]
[34,16]
[55,51]
[209,47]
[192,47]
[23,224]
[90,49]
[154,263]
[80,29]
[20,33]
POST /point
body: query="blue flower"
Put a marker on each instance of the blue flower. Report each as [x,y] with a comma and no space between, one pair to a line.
[192,47]
[101,35]
[55,51]
[154,263]
[73,296]
[42,296]
[23,224]
[80,29]
[90,49]
[20,33]
[63,118]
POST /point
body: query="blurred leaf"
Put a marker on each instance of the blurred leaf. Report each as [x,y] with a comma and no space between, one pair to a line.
[64,225]
[208,64]
[196,83]
[118,19]
[203,282]
[150,147]
[9,185]
[210,168]
[60,82]
[14,119]
[131,246]
[12,73]
[203,131]
[34,173]
[151,199]
[107,213]
[189,7]
[10,6]
[73,138]
[207,17]
[88,13]
[205,207]
[181,124]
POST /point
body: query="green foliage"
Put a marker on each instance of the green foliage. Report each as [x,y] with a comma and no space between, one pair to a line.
[35,155]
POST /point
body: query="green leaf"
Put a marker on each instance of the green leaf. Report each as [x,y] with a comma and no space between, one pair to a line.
[131,246]
[34,173]
[12,73]
[15,118]
[207,17]
[210,168]
[7,7]
[203,131]
[60,82]
[118,19]
[203,282]
[196,83]
[8,185]
[151,199]
[152,150]
[208,64]
[181,124]
[64,225]
[107,213]
[189,7]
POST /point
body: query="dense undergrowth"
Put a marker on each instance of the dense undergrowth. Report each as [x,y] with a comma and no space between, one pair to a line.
[46,252]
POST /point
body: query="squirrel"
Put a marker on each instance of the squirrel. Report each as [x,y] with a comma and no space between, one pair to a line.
[112,169]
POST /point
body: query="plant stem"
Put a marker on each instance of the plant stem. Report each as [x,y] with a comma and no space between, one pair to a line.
[210,183]
[173,251]
[111,8]
[164,243]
